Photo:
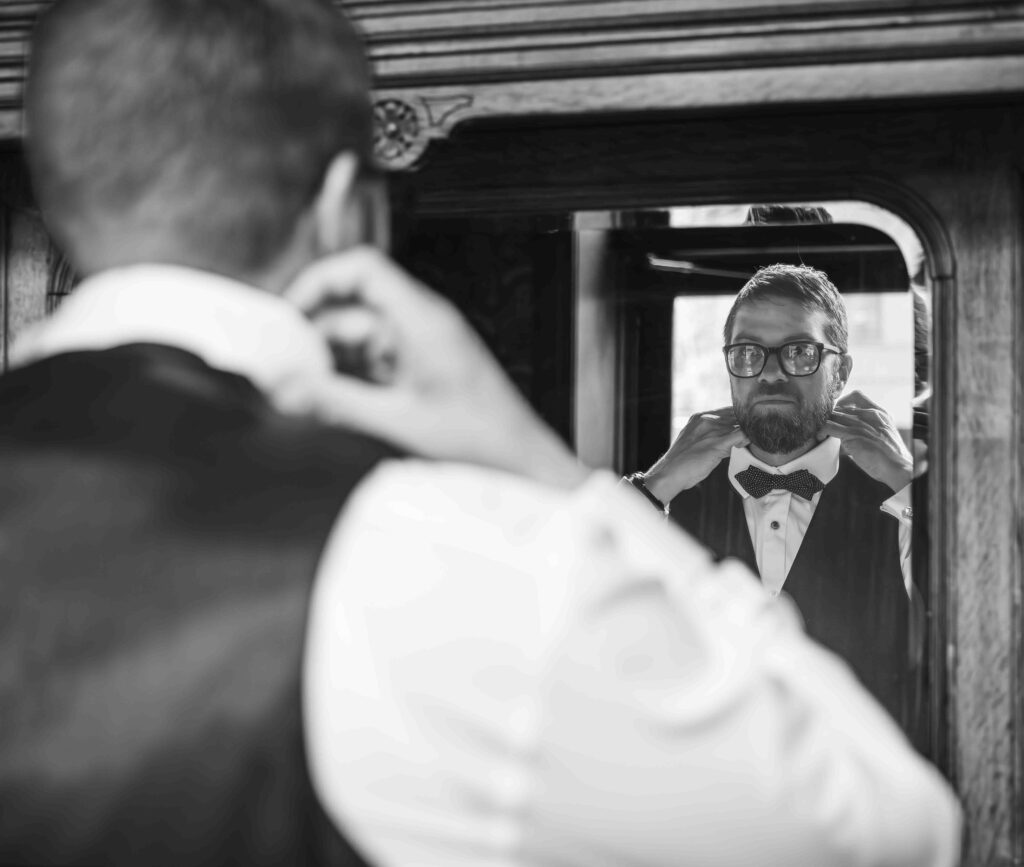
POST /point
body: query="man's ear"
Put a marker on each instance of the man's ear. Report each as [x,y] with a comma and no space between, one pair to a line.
[333,211]
[845,369]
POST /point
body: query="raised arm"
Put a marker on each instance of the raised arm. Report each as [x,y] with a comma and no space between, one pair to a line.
[705,440]
[572,681]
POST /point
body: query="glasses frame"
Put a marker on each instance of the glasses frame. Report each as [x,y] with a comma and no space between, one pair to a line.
[777,352]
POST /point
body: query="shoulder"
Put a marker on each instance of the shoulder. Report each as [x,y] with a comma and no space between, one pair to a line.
[454,488]
[859,483]
[716,483]
[457,505]
[458,513]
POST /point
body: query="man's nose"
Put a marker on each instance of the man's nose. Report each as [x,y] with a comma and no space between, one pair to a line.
[772,371]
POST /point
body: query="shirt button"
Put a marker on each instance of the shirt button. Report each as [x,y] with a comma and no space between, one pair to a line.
[774,525]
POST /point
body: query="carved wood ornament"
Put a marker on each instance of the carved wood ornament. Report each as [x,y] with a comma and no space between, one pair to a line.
[453,62]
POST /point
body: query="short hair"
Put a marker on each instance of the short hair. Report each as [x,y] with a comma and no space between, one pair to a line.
[807,286]
[209,122]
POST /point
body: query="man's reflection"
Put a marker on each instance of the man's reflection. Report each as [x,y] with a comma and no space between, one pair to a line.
[812,492]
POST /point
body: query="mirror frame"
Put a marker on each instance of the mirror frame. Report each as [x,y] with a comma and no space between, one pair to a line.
[975,712]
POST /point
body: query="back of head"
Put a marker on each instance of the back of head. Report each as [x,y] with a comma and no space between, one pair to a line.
[190,131]
[807,286]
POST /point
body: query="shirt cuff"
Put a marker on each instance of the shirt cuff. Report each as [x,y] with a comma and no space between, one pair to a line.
[898,505]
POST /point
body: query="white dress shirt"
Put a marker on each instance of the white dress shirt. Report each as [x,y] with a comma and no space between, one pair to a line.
[500,673]
[779,520]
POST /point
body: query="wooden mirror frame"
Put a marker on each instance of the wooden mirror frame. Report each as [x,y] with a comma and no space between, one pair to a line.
[971,230]
[464,93]
[489,101]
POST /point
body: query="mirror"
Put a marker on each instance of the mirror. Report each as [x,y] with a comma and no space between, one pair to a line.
[611,323]
[645,294]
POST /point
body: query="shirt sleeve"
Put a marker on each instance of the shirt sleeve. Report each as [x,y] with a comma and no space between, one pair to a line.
[501,673]
[898,505]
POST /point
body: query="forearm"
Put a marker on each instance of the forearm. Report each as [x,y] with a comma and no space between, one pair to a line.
[606,695]
[665,481]
[722,706]
[543,457]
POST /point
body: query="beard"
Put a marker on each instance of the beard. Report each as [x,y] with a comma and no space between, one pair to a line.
[779,432]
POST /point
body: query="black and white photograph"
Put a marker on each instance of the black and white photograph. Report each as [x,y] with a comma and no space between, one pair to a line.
[511,433]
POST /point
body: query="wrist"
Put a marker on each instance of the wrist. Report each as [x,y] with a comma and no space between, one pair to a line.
[899,477]
[663,487]
[638,481]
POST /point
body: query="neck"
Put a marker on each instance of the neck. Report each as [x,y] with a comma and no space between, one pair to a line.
[103,249]
[777,460]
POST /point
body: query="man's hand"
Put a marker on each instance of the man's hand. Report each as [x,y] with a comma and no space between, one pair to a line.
[869,436]
[430,385]
[701,445]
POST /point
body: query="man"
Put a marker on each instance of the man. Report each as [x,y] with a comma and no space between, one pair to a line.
[811,493]
[235,635]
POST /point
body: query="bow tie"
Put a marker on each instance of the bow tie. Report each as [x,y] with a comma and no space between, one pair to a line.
[758,483]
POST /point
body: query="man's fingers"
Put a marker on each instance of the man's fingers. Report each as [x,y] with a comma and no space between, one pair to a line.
[349,325]
[858,397]
[856,421]
[341,277]
[362,341]
[346,402]
[737,438]
[839,429]
[365,276]
[864,412]
[858,402]
[722,413]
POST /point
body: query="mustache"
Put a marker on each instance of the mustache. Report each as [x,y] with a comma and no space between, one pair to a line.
[768,389]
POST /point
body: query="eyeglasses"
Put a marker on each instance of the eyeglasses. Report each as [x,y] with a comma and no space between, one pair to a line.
[797,358]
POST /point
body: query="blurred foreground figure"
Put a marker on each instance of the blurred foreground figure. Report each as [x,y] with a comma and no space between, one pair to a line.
[493,657]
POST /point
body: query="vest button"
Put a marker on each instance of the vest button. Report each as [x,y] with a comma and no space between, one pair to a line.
[774,525]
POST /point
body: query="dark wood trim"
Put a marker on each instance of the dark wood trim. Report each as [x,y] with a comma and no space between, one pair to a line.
[441,63]
[5,247]
[417,44]
[1017,651]
[881,191]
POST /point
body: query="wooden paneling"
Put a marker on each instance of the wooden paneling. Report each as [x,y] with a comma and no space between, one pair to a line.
[597,361]
[31,269]
[29,266]
[982,212]
[15,20]
[417,43]
[441,63]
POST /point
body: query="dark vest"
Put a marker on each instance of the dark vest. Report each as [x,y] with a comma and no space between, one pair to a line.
[160,528]
[846,578]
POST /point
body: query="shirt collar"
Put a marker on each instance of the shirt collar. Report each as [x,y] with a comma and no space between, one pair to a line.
[230,325]
[822,460]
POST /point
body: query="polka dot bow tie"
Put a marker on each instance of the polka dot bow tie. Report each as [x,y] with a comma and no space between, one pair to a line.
[758,483]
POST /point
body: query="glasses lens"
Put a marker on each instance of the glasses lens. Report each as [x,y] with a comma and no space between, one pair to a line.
[745,359]
[799,359]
